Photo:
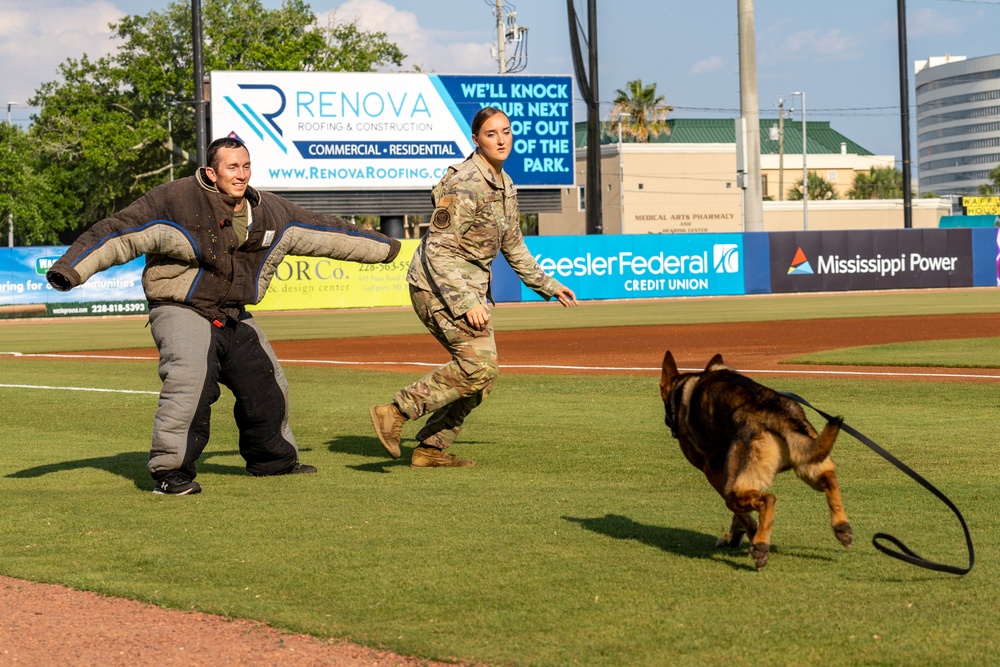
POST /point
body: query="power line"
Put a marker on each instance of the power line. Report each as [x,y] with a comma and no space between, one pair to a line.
[973,2]
[768,113]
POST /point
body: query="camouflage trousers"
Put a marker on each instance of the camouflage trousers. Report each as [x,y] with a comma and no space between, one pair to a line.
[451,392]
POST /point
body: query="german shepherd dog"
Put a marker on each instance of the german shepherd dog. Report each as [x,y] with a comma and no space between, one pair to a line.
[741,434]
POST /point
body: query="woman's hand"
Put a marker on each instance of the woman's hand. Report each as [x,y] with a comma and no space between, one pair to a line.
[477,317]
[566,297]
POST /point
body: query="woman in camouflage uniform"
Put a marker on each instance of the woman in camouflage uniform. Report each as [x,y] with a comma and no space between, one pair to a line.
[475,218]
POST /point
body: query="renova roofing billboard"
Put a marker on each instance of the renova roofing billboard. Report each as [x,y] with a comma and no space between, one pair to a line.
[378,131]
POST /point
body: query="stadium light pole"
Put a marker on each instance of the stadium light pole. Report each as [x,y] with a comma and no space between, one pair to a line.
[805,173]
[621,177]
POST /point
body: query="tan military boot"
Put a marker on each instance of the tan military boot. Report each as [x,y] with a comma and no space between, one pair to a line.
[426,456]
[388,422]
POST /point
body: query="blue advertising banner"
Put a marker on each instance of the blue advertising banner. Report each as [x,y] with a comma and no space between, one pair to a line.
[641,266]
[985,257]
[540,109]
[368,130]
[595,267]
[24,292]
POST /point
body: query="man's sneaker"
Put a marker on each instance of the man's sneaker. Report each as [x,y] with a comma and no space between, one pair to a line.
[388,422]
[425,456]
[177,484]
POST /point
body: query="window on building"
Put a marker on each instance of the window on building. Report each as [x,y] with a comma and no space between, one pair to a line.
[581,200]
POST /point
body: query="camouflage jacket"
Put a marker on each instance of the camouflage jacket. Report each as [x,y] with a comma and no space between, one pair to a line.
[475,218]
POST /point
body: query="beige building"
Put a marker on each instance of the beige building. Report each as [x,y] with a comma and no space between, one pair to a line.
[687,183]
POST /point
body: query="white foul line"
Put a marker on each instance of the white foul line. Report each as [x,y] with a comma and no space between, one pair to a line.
[109,391]
[633,369]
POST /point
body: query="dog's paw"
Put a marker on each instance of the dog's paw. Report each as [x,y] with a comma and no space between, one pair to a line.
[729,540]
[760,553]
[844,533]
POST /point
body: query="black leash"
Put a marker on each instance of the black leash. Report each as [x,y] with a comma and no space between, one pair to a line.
[905,553]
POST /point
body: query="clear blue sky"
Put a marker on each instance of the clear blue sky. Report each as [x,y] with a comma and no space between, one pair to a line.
[843,55]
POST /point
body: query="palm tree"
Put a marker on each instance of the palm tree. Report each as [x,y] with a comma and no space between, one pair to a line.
[877,183]
[639,111]
[993,187]
[819,189]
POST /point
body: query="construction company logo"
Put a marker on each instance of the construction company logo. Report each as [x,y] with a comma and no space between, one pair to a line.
[259,120]
[43,264]
[800,264]
[726,258]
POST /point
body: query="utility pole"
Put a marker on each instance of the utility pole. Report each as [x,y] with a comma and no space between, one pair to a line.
[754,208]
[509,31]
[586,78]
[501,39]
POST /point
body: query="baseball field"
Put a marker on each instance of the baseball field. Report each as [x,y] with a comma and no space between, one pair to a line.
[582,536]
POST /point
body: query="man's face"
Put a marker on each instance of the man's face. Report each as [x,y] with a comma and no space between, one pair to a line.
[231,175]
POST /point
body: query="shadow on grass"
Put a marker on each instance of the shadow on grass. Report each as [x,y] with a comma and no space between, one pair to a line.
[370,447]
[130,465]
[680,541]
[683,542]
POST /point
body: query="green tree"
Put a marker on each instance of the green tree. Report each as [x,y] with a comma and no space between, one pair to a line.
[25,197]
[993,187]
[877,183]
[639,111]
[112,129]
[819,189]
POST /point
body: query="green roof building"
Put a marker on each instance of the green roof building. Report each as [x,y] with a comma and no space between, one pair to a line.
[820,137]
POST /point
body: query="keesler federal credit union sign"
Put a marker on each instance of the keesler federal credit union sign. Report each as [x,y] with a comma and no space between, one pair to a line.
[378,131]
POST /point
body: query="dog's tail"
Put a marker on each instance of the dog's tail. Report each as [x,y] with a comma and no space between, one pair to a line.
[824,443]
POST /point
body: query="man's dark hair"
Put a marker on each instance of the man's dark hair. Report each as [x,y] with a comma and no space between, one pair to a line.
[212,155]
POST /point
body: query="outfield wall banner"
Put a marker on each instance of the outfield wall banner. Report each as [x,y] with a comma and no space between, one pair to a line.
[24,292]
[838,261]
[314,283]
[378,131]
[639,266]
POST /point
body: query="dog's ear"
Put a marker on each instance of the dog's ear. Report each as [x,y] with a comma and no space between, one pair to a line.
[669,371]
[715,364]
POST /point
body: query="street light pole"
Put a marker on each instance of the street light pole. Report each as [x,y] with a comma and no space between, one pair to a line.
[781,149]
[805,172]
[10,214]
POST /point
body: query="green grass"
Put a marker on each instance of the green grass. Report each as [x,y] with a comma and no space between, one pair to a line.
[582,537]
[959,353]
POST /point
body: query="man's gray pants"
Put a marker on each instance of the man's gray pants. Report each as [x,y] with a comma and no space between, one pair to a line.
[195,356]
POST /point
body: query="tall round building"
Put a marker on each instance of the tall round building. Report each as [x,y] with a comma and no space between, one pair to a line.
[958,123]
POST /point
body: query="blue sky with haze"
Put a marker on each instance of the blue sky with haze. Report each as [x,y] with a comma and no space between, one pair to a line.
[843,55]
